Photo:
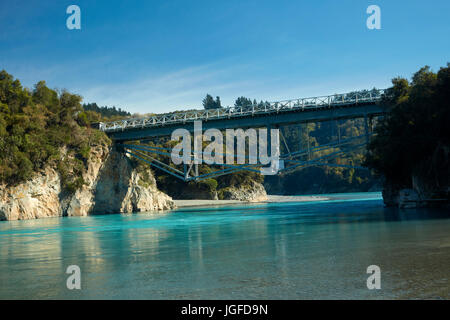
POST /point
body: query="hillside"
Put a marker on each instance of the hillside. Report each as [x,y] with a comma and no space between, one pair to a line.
[42,126]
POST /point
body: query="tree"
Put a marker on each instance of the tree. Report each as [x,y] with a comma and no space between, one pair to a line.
[43,127]
[218,103]
[414,138]
[45,96]
[106,112]
[243,102]
[209,103]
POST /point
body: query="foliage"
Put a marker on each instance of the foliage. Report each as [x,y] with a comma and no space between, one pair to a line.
[415,137]
[40,127]
[245,102]
[323,179]
[242,102]
[210,103]
[106,112]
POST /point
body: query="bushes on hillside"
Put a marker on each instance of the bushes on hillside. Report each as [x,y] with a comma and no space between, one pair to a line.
[40,127]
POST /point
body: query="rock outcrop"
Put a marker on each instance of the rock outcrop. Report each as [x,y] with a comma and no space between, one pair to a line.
[408,198]
[420,194]
[245,190]
[253,192]
[428,185]
[121,188]
[390,194]
[193,191]
[80,203]
[112,185]
[36,198]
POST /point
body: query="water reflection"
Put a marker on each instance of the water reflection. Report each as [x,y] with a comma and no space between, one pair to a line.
[292,250]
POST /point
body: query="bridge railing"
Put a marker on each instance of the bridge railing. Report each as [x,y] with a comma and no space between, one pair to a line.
[336,100]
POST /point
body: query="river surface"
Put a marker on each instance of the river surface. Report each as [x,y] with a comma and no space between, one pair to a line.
[307,250]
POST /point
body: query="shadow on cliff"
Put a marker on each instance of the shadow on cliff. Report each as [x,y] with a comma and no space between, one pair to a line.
[113,183]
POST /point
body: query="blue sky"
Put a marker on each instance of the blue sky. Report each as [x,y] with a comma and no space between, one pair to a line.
[160,56]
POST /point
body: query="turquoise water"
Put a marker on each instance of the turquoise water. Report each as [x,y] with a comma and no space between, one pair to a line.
[290,250]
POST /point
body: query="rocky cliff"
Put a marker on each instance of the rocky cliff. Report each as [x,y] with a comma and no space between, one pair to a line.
[112,185]
[123,188]
[253,192]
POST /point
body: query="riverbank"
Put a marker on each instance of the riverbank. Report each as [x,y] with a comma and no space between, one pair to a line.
[270,199]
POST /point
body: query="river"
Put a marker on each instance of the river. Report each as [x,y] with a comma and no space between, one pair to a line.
[295,250]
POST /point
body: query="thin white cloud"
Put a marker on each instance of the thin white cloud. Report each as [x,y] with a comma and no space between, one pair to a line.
[185,89]
[182,89]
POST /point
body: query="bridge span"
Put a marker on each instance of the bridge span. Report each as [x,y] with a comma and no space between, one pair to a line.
[361,104]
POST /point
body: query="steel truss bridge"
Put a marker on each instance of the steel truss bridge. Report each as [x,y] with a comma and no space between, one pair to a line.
[365,104]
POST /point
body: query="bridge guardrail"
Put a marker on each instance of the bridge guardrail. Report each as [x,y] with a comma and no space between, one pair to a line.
[336,100]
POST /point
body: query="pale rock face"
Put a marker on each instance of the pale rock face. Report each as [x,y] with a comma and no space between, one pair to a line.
[81,202]
[33,199]
[122,189]
[254,193]
[139,199]
[112,186]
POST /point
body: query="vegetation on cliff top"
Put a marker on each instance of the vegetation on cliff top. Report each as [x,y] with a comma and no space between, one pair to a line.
[414,139]
[40,127]
[107,113]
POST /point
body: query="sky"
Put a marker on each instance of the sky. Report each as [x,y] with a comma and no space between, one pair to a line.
[162,56]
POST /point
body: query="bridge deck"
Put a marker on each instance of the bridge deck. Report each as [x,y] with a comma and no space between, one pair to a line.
[341,106]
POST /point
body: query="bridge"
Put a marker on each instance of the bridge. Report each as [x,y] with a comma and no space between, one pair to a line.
[360,104]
